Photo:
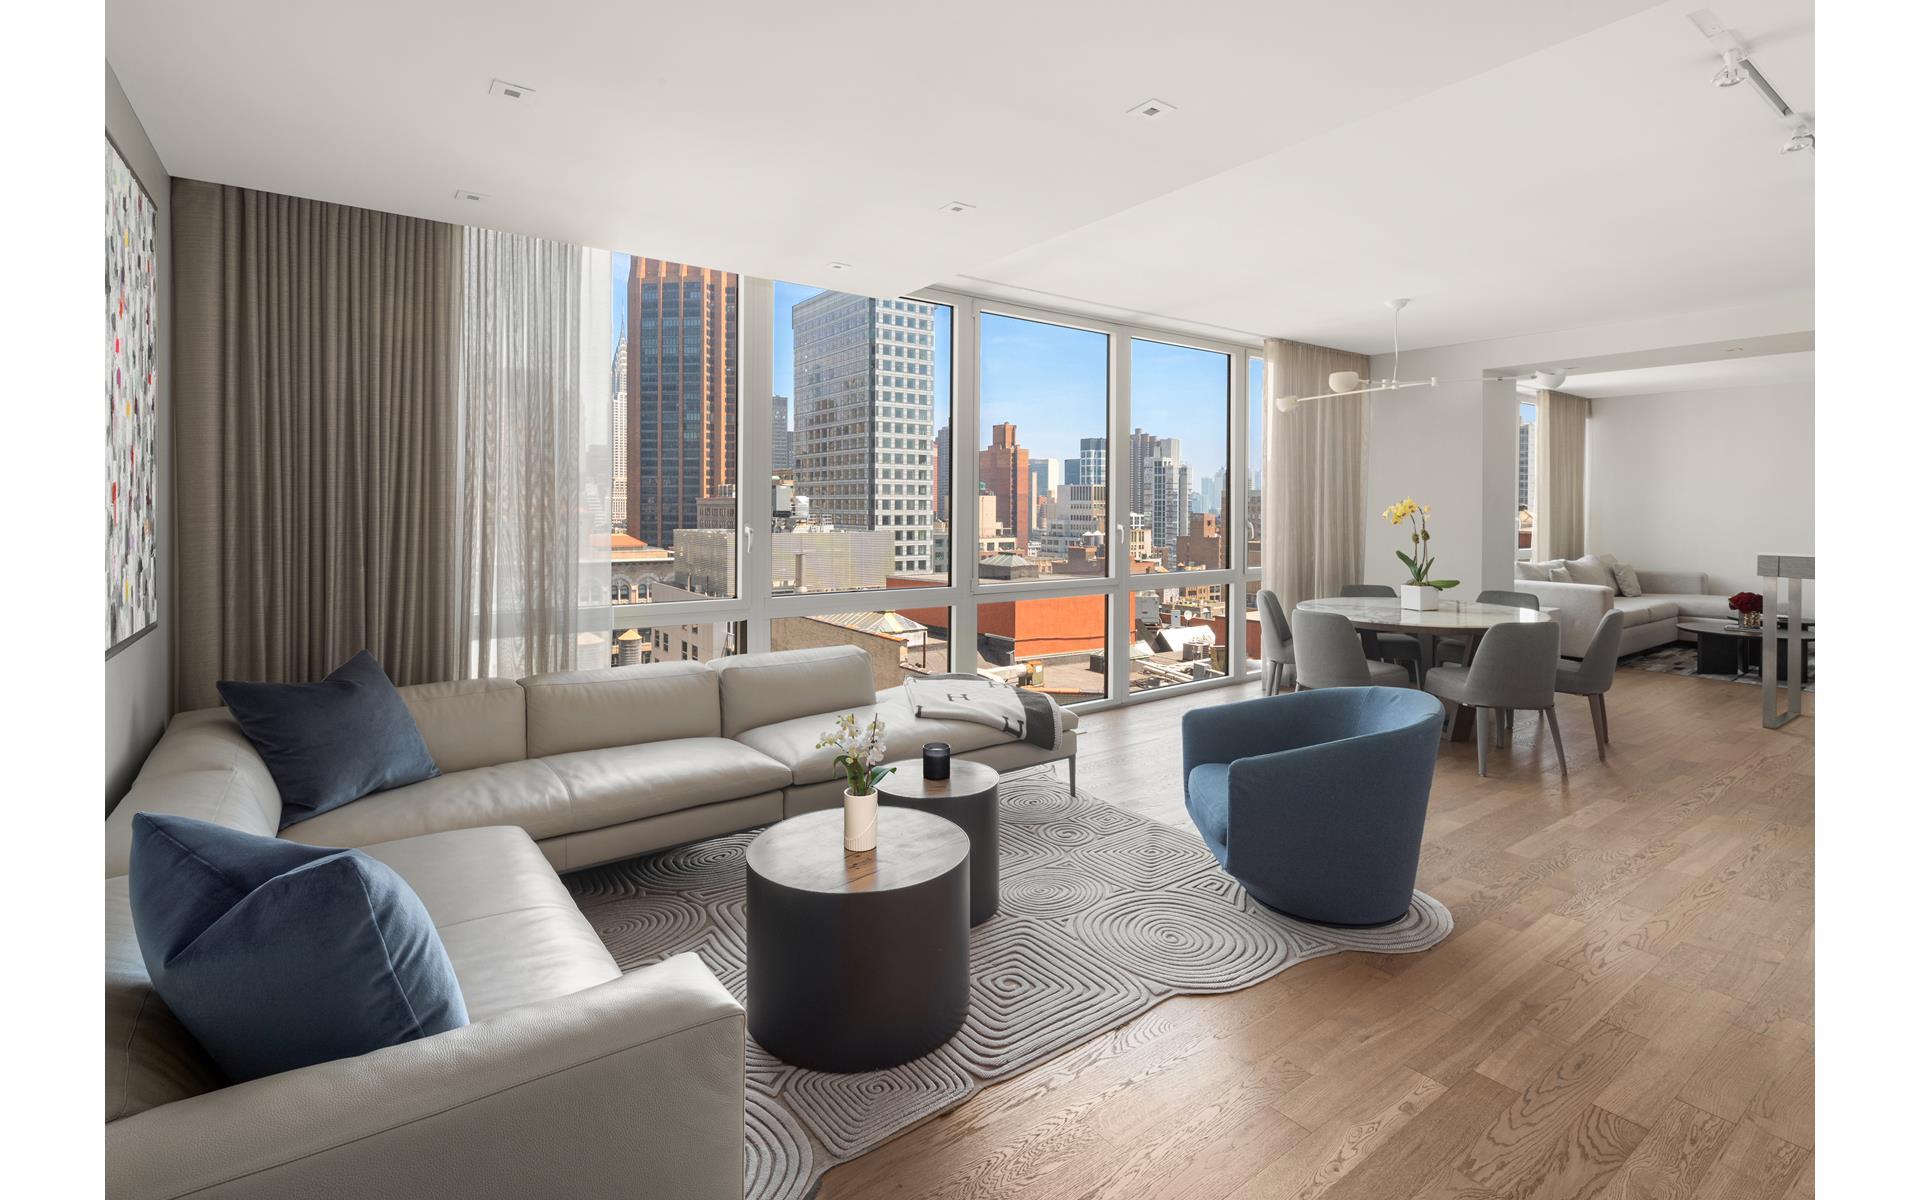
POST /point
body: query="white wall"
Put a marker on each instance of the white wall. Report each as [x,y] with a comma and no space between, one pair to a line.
[1454,447]
[139,678]
[1703,480]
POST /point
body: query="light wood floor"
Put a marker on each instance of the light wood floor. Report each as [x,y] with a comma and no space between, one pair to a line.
[1624,1009]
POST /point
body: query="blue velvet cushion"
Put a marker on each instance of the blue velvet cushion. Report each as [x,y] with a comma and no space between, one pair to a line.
[1207,804]
[277,955]
[332,742]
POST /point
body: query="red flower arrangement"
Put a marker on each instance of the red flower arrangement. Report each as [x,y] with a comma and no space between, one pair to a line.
[1745,602]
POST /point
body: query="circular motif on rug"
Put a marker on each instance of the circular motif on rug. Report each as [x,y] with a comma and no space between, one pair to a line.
[1051,892]
[779,1156]
[643,928]
[1035,800]
[1185,941]
[702,866]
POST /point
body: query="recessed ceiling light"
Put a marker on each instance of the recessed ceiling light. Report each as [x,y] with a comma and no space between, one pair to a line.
[464,194]
[1735,349]
[956,206]
[512,91]
[1147,110]
[838,266]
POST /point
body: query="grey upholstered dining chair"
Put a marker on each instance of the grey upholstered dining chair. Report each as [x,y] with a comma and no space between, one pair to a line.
[1513,669]
[1451,649]
[1592,676]
[1327,654]
[1387,647]
[1276,644]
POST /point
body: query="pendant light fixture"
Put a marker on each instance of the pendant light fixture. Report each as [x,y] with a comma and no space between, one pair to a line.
[1350,383]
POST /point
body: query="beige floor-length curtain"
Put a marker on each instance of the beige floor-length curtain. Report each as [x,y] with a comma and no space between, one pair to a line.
[314,428]
[530,532]
[1313,536]
[1560,527]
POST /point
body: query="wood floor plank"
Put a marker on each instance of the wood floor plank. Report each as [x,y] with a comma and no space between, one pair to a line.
[1625,1009]
[1674,1158]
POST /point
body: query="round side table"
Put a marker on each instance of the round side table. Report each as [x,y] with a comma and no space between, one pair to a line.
[971,800]
[856,960]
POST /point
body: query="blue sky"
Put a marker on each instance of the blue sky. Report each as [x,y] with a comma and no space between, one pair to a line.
[1049,380]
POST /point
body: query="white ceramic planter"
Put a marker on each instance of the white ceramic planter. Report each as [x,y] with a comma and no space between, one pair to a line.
[1419,597]
[861,820]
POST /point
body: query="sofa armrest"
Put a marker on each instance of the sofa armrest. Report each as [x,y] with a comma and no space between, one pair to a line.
[1672,583]
[638,1083]
[1581,606]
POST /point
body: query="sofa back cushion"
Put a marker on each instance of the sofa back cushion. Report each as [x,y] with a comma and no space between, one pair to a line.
[202,767]
[470,723]
[151,1059]
[620,706]
[764,689]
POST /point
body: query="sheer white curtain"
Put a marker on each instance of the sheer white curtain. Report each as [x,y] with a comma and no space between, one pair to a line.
[534,534]
[1560,527]
[1313,538]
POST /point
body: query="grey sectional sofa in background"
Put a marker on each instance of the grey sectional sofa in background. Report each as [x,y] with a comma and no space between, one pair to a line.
[1652,618]
[572,1079]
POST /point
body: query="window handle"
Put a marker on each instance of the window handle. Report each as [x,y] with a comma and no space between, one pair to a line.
[748,530]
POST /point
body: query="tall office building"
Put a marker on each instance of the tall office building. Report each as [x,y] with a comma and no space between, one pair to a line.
[863,409]
[1006,472]
[683,401]
[943,473]
[782,436]
[1159,488]
[1091,467]
[1526,466]
[1048,474]
[619,436]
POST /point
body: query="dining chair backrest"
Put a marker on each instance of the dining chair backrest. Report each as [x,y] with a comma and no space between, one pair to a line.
[1595,675]
[1515,666]
[1510,599]
[1275,633]
[1354,590]
[1327,652]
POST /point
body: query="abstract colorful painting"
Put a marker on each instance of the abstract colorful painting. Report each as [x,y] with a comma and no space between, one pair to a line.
[132,422]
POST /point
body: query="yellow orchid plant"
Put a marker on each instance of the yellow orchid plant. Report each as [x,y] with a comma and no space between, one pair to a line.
[1420,562]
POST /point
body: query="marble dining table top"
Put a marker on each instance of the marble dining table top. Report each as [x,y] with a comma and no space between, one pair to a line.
[1453,616]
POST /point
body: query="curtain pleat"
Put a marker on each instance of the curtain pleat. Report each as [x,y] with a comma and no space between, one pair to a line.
[1561,524]
[314,424]
[521,485]
[1313,536]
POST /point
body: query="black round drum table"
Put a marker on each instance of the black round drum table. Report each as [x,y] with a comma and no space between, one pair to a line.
[856,960]
[971,800]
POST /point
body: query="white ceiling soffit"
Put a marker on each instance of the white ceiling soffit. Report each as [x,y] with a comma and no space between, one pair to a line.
[1751,371]
[1599,179]
[776,138]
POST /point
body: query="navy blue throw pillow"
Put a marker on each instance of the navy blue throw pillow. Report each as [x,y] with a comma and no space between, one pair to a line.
[277,955]
[332,742]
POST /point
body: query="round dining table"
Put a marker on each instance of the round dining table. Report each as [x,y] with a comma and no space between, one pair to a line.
[1468,620]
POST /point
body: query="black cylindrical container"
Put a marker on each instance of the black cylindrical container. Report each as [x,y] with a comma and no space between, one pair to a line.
[936,760]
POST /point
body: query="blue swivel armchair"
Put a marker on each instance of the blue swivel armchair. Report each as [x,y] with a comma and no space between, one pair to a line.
[1317,801]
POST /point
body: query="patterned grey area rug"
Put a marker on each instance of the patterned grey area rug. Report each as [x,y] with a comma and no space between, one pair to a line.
[1103,914]
[1680,658]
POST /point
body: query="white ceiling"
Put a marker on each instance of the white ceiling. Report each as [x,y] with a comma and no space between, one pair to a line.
[1512,164]
[1770,370]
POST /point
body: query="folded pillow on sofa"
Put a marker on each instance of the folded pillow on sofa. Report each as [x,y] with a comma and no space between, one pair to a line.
[1531,572]
[1591,568]
[332,742]
[1626,580]
[277,955]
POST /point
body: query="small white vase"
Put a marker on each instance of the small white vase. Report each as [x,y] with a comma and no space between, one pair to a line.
[861,820]
[1419,597]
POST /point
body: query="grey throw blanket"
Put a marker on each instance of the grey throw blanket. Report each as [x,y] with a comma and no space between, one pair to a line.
[1032,717]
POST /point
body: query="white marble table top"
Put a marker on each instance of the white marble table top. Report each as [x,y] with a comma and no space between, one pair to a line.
[1453,616]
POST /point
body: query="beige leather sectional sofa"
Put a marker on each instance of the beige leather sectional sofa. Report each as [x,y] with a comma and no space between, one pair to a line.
[572,1079]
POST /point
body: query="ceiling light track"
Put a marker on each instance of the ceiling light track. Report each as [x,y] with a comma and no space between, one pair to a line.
[1738,68]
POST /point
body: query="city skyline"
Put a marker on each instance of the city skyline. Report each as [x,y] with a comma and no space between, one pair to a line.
[1032,376]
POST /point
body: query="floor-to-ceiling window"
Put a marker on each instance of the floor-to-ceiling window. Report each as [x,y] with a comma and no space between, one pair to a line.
[1527,481]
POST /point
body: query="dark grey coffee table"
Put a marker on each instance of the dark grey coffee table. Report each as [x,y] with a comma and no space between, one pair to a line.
[856,960]
[1721,650]
[971,800]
